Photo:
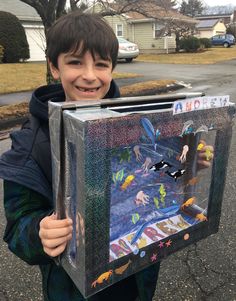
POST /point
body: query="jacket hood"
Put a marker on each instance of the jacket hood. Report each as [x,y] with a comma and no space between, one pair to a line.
[38,106]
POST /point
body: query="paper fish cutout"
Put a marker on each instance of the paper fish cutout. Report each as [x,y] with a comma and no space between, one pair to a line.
[187,128]
[176,174]
[149,129]
[135,218]
[160,165]
[102,278]
[128,180]
[123,268]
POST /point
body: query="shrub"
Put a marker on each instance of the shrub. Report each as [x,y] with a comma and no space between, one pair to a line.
[13,39]
[231,29]
[205,43]
[1,53]
[190,44]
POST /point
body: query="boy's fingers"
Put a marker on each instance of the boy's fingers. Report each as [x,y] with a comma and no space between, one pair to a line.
[203,163]
[55,251]
[50,222]
[46,233]
[54,243]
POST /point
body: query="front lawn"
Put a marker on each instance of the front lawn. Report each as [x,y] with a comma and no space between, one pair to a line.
[210,56]
[28,76]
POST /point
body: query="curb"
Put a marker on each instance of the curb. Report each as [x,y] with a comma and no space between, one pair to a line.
[12,122]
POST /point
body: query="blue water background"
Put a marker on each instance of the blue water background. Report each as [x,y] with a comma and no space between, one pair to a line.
[123,205]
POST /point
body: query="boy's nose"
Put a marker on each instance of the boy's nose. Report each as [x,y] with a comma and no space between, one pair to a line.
[89,74]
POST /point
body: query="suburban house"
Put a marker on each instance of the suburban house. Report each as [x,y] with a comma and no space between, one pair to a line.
[209,28]
[225,18]
[32,24]
[152,34]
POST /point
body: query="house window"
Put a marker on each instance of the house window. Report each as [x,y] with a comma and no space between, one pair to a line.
[160,31]
[119,30]
[157,33]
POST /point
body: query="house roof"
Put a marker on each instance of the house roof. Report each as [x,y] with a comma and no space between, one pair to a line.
[152,11]
[215,16]
[143,12]
[207,23]
[23,11]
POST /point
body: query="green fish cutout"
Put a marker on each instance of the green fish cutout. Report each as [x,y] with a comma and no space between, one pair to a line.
[135,218]
[125,156]
[156,202]
[118,176]
[162,192]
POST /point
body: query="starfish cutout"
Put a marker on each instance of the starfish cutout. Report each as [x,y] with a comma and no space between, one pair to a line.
[168,243]
[161,244]
[154,257]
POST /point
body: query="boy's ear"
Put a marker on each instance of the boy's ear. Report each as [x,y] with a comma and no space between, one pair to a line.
[54,71]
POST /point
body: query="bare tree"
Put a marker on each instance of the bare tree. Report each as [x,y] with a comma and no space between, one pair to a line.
[48,10]
[159,10]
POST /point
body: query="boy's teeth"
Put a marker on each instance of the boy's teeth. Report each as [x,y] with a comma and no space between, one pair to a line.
[86,90]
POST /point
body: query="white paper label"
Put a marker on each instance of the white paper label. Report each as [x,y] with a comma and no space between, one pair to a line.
[200,103]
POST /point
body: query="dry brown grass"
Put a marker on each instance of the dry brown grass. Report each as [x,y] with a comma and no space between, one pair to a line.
[21,77]
[16,110]
[210,56]
[148,87]
[28,76]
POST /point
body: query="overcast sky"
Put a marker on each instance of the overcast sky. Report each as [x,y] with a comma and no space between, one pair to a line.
[219,2]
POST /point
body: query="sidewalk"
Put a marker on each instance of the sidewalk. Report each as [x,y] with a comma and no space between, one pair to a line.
[2,298]
[12,98]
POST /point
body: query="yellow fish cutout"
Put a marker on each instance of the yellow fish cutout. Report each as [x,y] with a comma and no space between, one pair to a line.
[120,270]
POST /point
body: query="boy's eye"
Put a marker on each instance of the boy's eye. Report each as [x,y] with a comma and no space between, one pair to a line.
[74,62]
[103,64]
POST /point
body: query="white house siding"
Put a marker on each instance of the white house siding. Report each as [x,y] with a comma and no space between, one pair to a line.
[36,39]
[205,34]
[219,28]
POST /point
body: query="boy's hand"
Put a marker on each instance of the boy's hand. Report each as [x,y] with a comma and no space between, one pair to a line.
[205,154]
[54,234]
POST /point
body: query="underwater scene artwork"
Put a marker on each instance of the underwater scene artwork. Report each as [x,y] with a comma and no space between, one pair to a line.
[156,189]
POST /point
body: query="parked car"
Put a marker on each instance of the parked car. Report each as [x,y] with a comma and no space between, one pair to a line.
[225,40]
[127,50]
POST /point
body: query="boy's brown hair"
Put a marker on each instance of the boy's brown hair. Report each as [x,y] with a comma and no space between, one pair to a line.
[84,32]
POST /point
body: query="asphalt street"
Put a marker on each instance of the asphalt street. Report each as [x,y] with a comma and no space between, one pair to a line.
[205,271]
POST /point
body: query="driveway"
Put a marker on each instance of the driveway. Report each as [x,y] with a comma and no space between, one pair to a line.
[217,79]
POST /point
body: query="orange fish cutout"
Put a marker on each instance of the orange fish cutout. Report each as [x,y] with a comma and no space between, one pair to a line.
[120,270]
[127,182]
[102,278]
[188,203]
[201,217]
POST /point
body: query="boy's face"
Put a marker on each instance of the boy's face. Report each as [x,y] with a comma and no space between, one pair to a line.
[82,77]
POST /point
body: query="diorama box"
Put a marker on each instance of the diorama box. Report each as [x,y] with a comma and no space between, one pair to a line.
[129,173]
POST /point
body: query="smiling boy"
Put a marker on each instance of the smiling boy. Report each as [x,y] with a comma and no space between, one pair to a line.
[82,53]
